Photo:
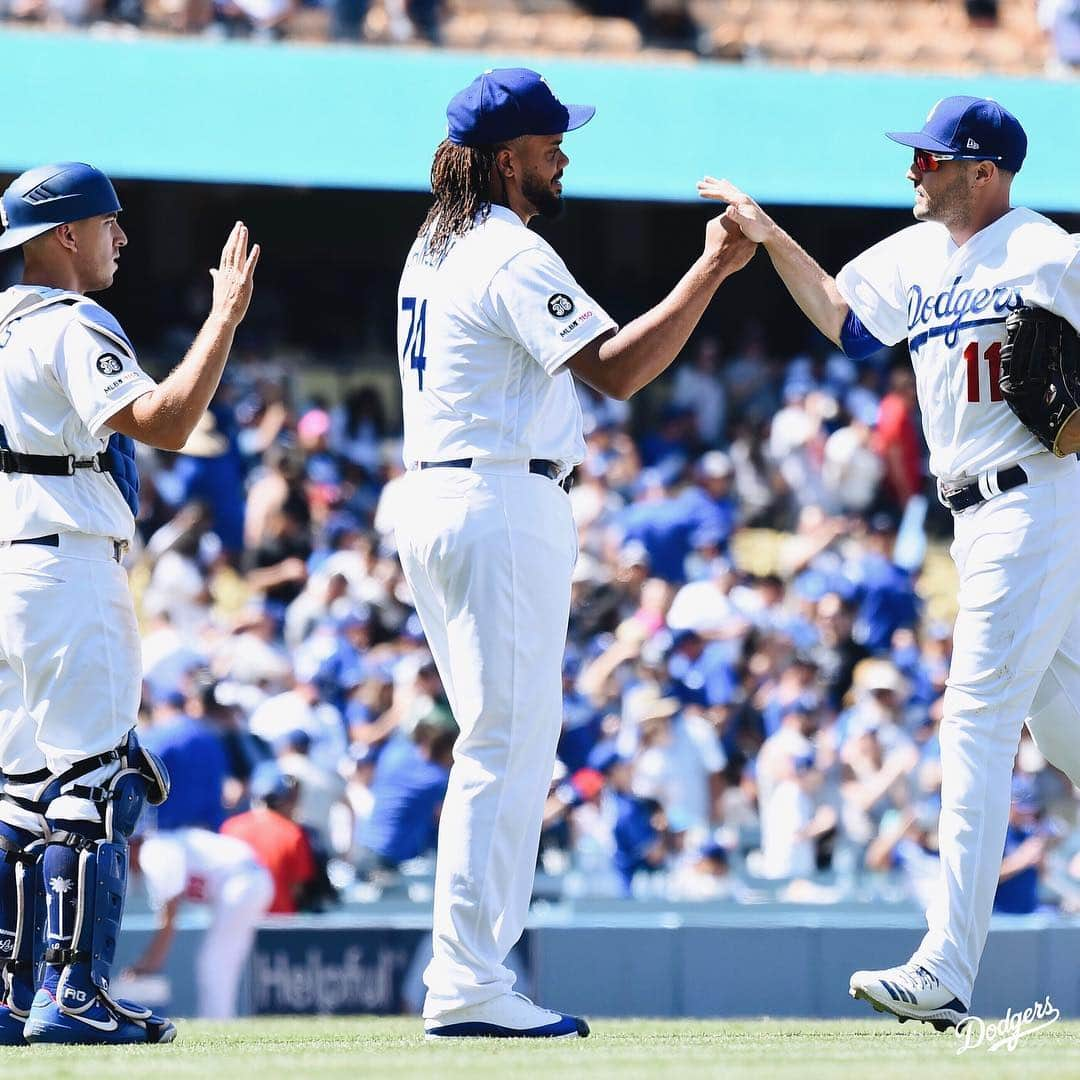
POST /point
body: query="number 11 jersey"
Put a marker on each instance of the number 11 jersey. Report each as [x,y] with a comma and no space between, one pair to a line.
[483,339]
[951,303]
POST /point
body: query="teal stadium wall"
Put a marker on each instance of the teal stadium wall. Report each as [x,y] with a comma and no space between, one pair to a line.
[358,117]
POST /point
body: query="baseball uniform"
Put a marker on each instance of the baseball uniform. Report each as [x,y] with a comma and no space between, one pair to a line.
[70,662]
[487,548]
[74,775]
[222,873]
[1017,634]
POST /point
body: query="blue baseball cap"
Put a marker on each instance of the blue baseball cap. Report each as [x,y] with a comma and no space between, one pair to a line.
[268,782]
[51,195]
[972,129]
[503,103]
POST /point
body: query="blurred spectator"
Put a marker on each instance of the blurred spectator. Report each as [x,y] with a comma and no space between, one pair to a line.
[697,386]
[304,709]
[406,18]
[851,470]
[280,845]
[703,874]
[407,790]
[178,586]
[1027,842]
[277,565]
[253,655]
[788,782]
[680,761]
[194,756]
[907,842]
[886,594]
[1061,20]
[358,428]
[321,791]
[898,439]
[209,470]
[582,721]
[264,19]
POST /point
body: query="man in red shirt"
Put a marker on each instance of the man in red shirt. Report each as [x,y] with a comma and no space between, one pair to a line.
[278,842]
[897,438]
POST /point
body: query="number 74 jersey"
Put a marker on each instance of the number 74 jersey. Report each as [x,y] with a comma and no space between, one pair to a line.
[951,304]
[483,339]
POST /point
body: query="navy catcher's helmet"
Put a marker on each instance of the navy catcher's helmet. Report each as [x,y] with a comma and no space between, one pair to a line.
[51,195]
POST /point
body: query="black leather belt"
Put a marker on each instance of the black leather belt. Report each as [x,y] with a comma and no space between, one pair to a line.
[539,466]
[53,540]
[964,496]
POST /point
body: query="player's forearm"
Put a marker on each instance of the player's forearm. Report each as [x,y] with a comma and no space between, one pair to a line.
[646,347]
[811,288]
[167,415]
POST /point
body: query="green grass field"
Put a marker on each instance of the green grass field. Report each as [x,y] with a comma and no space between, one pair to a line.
[364,1047]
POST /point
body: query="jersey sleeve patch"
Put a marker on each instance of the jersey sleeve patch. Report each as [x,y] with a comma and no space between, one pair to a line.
[536,301]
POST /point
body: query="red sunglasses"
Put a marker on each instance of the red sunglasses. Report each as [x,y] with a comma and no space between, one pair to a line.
[927,161]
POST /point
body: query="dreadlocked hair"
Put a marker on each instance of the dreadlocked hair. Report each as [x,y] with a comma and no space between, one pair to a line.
[461,178]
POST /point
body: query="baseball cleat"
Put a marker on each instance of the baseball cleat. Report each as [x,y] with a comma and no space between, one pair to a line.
[11,1026]
[511,1016]
[105,1023]
[909,992]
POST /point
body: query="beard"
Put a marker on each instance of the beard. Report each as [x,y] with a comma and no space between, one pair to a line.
[548,205]
[946,206]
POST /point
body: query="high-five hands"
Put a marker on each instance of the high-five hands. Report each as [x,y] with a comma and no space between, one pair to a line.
[754,223]
[726,242]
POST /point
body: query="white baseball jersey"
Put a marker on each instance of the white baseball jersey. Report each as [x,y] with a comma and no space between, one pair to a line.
[66,367]
[951,303]
[482,341]
[193,864]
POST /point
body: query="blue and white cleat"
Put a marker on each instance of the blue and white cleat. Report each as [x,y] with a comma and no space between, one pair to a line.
[909,992]
[511,1016]
[11,1026]
[103,1022]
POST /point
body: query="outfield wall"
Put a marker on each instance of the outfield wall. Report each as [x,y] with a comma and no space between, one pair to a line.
[366,117]
[702,962]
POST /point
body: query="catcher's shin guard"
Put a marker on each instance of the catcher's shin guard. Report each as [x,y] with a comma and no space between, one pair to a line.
[85,878]
[20,899]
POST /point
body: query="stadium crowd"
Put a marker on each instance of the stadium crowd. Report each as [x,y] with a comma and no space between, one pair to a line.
[752,680]
[1027,37]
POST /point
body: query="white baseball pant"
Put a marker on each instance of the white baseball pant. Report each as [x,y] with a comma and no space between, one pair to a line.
[1016,653]
[488,555]
[244,897]
[70,663]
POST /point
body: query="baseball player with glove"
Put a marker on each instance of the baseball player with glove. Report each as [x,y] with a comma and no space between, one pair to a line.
[72,399]
[491,329]
[951,285]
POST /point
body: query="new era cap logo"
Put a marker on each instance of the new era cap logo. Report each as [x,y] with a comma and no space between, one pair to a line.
[972,144]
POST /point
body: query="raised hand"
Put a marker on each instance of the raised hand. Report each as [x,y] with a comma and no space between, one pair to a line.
[743,211]
[234,277]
